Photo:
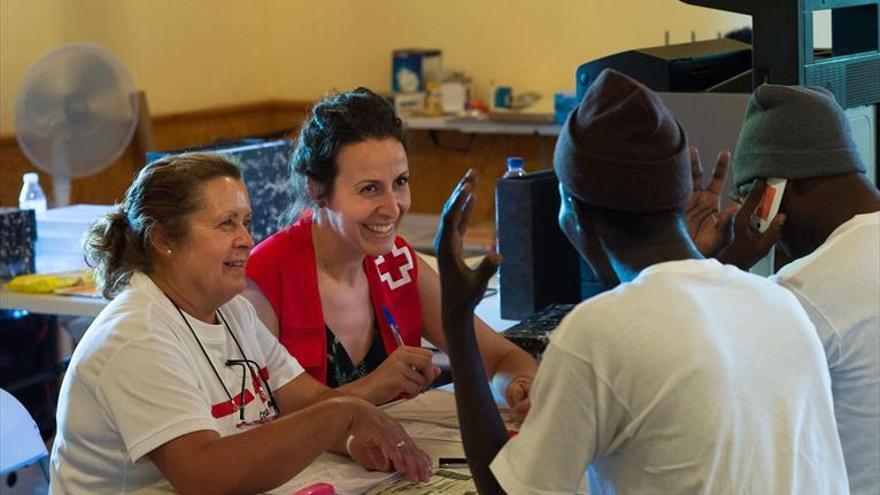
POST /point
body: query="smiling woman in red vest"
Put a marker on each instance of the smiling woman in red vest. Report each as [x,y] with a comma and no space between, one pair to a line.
[324,283]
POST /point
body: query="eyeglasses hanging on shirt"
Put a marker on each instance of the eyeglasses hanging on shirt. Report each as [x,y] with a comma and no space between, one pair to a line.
[247,366]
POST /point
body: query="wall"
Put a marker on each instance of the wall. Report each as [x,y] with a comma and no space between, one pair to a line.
[221,54]
[201,53]
[531,45]
[187,55]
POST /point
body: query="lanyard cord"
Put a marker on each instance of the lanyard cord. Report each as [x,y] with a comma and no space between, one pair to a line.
[208,358]
[249,362]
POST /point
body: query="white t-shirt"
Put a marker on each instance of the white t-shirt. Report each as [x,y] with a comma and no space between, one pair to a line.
[694,378]
[839,286]
[138,379]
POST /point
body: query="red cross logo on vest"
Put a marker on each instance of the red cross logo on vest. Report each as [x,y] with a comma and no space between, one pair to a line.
[395,266]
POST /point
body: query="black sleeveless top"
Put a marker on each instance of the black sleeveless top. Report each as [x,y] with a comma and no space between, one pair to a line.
[340,369]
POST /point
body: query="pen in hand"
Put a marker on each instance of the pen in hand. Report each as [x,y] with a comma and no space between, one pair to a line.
[395,331]
[392,324]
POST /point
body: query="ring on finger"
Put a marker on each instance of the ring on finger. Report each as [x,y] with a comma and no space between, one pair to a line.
[400,444]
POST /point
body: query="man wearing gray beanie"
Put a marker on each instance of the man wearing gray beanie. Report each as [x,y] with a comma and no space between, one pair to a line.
[831,230]
[688,376]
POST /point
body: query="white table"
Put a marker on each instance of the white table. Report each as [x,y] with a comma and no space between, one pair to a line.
[489,309]
[423,418]
[52,304]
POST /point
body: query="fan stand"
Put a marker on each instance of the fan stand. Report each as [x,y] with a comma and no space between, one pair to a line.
[142,140]
[60,180]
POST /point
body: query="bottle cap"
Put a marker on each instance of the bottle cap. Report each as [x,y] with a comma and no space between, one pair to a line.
[515,162]
[31,177]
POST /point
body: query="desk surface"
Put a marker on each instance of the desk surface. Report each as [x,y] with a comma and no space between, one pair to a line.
[51,304]
[489,309]
[430,419]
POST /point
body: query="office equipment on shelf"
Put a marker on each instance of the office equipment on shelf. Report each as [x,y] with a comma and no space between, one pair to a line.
[264,170]
[533,333]
[783,53]
[689,67]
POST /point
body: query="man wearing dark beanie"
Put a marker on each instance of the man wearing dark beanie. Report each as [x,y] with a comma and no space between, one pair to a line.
[688,376]
[832,231]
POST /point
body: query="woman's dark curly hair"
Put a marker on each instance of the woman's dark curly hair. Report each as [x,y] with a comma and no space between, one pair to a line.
[337,120]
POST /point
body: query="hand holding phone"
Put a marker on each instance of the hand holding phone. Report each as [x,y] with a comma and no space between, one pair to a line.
[757,225]
[769,206]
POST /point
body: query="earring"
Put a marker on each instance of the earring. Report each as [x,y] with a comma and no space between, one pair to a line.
[168,252]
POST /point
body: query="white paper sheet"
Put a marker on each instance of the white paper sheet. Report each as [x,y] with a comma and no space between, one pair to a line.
[445,482]
[430,431]
[347,477]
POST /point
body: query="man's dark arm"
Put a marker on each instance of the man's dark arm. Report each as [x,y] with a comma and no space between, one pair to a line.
[482,429]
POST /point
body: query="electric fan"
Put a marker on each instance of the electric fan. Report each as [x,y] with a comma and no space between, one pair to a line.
[75,113]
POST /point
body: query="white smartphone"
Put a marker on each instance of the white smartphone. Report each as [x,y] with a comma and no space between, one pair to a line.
[770,202]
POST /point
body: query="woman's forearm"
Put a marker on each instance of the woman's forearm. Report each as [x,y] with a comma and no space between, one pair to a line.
[514,363]
[360,388]
[262,458]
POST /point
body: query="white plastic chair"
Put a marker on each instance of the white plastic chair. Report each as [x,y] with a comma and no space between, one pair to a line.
[20,442]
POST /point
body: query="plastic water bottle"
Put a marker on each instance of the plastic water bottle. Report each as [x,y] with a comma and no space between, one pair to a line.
[32,196]
[516,167]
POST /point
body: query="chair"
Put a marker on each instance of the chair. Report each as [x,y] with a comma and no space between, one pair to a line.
[21,445]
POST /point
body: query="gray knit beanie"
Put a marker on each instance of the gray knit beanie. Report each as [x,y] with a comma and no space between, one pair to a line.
[622,149]
[794,132]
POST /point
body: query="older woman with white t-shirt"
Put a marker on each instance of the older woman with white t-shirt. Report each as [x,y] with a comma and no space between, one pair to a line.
[177,381]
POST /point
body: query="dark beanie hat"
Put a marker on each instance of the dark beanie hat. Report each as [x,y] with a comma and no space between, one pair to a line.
[794,132]
[622,149]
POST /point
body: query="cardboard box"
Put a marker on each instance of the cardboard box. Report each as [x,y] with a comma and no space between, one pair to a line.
[407,104]
[412,68]
[60,236]
[18,231]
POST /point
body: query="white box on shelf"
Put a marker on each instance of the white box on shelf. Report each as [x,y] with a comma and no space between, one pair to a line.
[60,235]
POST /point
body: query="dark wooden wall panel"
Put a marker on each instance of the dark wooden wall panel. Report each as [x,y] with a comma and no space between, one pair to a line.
[437,159]
[437,167]
[174,131]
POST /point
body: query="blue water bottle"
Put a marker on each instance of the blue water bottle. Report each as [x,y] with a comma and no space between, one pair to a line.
[516,167]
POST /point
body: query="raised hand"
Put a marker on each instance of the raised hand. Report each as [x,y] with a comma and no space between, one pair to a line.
[750,245]
[462,287]
[710,228]
[483,433]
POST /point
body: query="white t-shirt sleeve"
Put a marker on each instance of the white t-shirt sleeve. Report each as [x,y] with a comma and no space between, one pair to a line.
[574,419]
[828,335]
[152,395]
[282,366]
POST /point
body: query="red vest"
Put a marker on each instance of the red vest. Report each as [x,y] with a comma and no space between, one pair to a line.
[284,268]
